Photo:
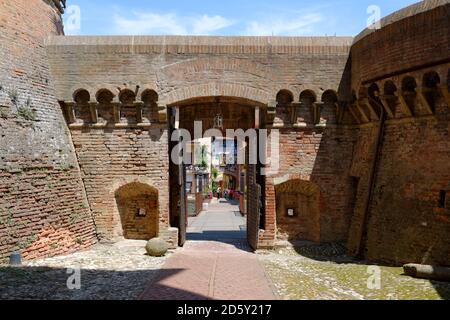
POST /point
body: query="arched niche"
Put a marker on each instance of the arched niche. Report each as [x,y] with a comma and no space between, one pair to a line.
[298,213]
[328,112]
[138,208]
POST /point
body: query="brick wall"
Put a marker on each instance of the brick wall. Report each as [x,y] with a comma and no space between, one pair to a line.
[112,158]
[187,70]
[408,40]
[322,157]
[403,69]
[43,209]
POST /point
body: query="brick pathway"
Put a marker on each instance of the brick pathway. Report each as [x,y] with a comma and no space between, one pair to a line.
[210,270]
[216,266]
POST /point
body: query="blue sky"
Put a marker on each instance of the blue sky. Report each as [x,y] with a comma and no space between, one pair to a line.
[229,17]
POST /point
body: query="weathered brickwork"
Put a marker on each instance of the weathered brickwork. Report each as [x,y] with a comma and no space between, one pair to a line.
[416,36]
[400,79]
[43,208]
[364,132]
[113,158]
[322,157]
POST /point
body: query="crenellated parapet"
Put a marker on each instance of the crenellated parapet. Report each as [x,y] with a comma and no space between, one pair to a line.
[306,110]
[408,95]
[60,4]
[106,108]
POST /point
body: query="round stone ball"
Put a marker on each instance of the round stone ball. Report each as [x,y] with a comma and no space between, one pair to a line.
[156,247]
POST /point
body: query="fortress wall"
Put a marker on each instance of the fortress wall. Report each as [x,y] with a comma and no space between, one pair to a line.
[43,210]
[407,64]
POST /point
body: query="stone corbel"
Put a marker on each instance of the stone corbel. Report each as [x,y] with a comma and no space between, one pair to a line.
[403,105]
[93,112]
[351,109]
[445,94]
[162,114]
[116,112]
[139,107]
[271,112]
[293,114]
[385,103]
[424,101]
[317,109]
[364,117]
[373,114]
[70,112]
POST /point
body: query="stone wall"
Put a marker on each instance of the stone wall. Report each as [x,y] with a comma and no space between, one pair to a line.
[43,209]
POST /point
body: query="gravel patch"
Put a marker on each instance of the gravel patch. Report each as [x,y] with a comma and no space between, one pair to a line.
[299,277]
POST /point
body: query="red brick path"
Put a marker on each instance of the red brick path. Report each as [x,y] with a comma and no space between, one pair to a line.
[210,270]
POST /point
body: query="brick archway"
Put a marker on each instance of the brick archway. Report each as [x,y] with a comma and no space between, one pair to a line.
[216,89]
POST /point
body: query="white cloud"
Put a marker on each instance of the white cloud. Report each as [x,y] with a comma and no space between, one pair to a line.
[149,23]
[169,24]
[284,26]
[206,24]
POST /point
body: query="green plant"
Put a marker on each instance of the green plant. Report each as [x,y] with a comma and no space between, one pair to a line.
[14,96]
[25,243]
[203,157]
[65,166]
[26,113]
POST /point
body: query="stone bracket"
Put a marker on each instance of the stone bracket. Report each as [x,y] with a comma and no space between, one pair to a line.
[162,114]
[403,105]
[351,109]
[384,102]
[364,117]
[316,110]
[93,112]
[424,101]
[116,113]
[445,94]
[139,107]
[373,114]
[70,112]
[271,112]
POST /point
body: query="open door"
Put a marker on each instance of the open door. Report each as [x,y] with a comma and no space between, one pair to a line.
[254,209]
[183,206]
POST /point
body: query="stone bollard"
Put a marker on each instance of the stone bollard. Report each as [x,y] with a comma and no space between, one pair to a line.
[157,247]
[15,259]
[427,272]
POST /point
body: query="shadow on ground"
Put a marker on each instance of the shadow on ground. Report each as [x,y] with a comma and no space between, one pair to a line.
[42,283]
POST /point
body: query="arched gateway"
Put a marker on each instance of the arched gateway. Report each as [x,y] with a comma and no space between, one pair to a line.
[209,119]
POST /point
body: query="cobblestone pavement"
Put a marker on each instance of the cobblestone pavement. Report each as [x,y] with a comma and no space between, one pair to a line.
[298,277]
[205,270]
[118,271]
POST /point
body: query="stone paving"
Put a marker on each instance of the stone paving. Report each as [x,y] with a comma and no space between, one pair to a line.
[222,221]
[303,274]
[214,264]
[118,271]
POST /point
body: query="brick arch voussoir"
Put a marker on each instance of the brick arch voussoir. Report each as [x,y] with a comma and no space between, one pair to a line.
[216,89]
